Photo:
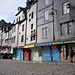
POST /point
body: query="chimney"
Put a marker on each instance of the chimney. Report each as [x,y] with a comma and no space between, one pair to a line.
[29,2]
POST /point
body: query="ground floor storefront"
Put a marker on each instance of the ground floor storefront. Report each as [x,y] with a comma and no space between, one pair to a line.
[18,54]
[36,54]
[27,54]
[65,52]
[49,52]
[33,53]
[58,51]
[6,53]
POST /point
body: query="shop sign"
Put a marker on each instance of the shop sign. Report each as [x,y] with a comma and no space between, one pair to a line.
[29,46]
[46,44]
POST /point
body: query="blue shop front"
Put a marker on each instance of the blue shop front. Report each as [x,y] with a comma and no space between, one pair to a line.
[50,52]
[19,54]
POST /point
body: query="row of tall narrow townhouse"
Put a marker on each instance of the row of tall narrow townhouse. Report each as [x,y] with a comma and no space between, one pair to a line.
[5,44]
[18,34]
[24,34]
[64,28]
[55,29]
[43,31]
[31,36]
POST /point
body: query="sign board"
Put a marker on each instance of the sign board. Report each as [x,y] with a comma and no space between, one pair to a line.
[46,44]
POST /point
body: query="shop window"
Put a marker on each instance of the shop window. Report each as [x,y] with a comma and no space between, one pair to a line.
[64,52]
[65,9]
[40,53]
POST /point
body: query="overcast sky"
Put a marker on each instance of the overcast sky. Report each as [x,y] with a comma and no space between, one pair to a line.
[8,9]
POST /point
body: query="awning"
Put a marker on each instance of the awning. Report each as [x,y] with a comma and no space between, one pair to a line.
[57,43]
[29,46]
[71,41]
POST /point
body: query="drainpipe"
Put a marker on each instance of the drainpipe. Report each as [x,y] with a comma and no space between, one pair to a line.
[17,35]
[53,21]
[36,19]
[26,27]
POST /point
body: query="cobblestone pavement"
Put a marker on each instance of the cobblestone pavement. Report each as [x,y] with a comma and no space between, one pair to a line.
[11,67]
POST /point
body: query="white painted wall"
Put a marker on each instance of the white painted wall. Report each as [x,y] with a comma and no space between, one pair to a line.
[32,9]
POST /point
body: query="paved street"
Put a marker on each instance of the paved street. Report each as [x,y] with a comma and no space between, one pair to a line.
[11,67]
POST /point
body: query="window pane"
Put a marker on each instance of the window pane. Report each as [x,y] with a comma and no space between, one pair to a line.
[70,28]
[14,39]
[65,9]
[32,14]
[22,38]
[46,2]
[46,15]
[43,33]
[46,31]
[63,29]
[14,28]
[31,26]
[23,27]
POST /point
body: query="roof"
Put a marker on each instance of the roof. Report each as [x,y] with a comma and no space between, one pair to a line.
[2,23]
[19,10]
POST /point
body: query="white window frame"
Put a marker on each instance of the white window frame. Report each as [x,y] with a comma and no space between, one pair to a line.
[63,29]
[45,32]
[69,26]
[46,15]
[23,27]
[46,2]
[65,9]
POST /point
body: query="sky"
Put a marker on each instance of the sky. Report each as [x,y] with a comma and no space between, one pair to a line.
[8,9]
